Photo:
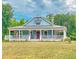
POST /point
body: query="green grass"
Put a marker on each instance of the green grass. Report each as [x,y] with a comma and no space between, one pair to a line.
[38,50]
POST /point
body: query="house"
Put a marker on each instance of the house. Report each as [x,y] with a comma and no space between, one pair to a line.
[38,29]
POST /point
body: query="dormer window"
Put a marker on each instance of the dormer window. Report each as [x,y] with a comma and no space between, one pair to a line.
[37,21]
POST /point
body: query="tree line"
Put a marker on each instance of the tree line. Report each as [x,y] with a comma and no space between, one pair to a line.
[68,20]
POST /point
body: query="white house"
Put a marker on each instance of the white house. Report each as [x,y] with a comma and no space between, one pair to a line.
[38,29]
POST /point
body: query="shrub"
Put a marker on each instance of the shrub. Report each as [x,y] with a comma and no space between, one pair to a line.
[73,37]
[68,39]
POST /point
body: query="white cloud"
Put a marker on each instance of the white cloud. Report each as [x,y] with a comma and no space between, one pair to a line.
[4,2]
[48,3]
[23,6]
[74,6]
[41,7]
[71,4]
[28,0]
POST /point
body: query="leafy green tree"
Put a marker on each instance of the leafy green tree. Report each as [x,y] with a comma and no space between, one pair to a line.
[21,22]
[6,15]
[50,17]
[13,22]
[68,20]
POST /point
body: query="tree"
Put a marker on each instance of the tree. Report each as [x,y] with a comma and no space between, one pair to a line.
[13,22]
[50,17]
[67,20]
[6,15]
[21,22]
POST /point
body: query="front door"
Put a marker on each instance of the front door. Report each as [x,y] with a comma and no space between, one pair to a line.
[37,34]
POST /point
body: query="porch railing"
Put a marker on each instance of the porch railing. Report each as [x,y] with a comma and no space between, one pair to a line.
[52,37]
[47,36]
[58,36]
[24,36]
[34,37]
[17,37]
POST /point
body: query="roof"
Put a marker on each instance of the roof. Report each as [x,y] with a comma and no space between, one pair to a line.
[50,26]
[37,19]
[40,27]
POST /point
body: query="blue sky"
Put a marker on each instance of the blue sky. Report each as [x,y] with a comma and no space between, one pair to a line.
[30,8]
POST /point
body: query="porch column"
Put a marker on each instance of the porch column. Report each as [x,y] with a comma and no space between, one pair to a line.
[40,35]
[52,34]
[19,34]
[29,34]
[9,34]
[64,34]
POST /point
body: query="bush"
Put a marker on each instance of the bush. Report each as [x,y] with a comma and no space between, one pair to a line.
[5,40]
[68,39]
[73,37]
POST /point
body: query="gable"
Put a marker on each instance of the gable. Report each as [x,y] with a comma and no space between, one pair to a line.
[37,21]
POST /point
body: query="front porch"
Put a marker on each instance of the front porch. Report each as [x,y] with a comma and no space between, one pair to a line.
[36,35]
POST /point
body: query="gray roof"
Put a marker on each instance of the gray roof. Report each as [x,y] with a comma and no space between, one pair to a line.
[39,27]
[37,19]
[51,26]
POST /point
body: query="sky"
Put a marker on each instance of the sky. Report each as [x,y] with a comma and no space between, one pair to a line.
[30,8]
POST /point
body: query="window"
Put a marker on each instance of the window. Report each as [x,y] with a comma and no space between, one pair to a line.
[45,32]
[33,34]
[38,21]
[49,32]
[24,32]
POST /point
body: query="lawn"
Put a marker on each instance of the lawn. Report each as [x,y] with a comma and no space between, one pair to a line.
[38,50]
